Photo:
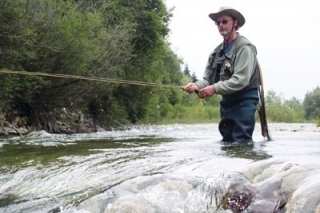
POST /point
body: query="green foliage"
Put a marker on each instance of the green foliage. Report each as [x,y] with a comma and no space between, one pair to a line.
[191,114]
[280,110]
[186,71]
[112,39]
[165,110]
[152,59]
[311,104]
[194,77]
[188,74]
[107,111]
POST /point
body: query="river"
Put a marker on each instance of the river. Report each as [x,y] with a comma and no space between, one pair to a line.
[151,168]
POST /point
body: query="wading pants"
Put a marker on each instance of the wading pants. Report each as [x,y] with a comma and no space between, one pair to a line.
[237,116]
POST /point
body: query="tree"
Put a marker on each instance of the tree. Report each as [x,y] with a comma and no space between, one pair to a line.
[311,104]
[186,71]
[280,110]
[90,38]
[194,77]
[150,20]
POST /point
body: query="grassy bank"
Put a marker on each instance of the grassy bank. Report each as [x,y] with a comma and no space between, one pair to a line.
[191,114]
[211,114]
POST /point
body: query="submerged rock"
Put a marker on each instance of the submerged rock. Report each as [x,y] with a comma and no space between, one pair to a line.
[240,195]
[130,204]
[300,183]
[267,186]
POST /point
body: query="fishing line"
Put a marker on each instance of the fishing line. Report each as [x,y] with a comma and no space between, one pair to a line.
[110,80]
[200,107]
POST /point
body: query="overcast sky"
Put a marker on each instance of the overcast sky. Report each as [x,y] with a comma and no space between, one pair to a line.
[286,34]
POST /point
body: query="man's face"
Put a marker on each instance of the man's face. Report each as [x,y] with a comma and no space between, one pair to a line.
[225,25]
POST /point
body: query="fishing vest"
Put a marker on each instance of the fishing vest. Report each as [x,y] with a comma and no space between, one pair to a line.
[223,64]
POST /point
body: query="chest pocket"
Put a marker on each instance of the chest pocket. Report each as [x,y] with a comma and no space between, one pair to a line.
[226,69]
[223,66]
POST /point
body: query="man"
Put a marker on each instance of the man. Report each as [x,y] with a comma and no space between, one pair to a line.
[232,71]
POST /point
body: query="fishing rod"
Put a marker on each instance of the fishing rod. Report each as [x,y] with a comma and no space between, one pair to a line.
[200,108]
[110,80]
[262,109]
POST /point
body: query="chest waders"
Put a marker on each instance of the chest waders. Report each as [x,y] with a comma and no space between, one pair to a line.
[237,116]
[237,110]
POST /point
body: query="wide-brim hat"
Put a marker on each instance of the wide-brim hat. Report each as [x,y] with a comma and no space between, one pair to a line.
[230,12]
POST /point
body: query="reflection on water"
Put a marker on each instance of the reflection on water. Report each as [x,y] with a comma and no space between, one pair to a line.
[22,154]
[248,151]
[44,172]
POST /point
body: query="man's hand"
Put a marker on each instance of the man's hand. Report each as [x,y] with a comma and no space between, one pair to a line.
[207,91]
[190,88]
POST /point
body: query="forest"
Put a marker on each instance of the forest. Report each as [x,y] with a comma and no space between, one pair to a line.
[119,41]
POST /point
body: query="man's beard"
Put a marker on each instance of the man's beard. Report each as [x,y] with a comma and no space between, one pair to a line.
[225,34]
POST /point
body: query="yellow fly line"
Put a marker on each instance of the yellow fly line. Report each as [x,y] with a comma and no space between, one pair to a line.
[110,80]
[200,108]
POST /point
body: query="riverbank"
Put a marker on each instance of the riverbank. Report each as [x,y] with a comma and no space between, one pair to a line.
[68,123]
[63,122]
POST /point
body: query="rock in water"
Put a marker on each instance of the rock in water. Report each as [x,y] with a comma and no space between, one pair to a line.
[234,192]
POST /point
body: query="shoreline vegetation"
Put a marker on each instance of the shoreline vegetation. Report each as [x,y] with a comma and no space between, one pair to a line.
[63,122]
[77,122]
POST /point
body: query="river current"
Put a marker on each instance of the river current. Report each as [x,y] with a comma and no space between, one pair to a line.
[152,168]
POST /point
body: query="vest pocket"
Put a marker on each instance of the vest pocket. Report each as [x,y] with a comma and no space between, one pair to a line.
[226,70]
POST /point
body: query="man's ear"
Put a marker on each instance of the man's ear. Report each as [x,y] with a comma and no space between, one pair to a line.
[235,24]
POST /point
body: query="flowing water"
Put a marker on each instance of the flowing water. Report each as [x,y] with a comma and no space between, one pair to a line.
[163,169]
